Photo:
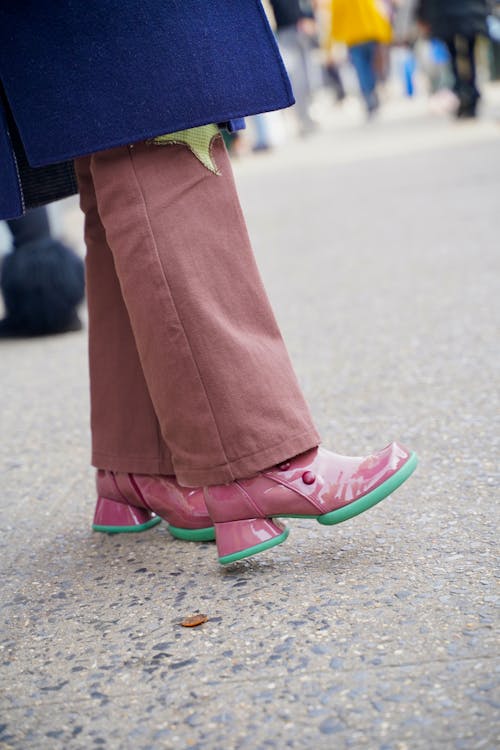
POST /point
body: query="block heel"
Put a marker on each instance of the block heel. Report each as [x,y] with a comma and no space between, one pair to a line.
[239,539]
[135,502]
[114,517]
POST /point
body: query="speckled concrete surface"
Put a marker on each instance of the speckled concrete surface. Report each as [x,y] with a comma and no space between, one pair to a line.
[379,247]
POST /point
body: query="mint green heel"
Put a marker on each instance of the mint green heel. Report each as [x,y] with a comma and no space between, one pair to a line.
[193,535]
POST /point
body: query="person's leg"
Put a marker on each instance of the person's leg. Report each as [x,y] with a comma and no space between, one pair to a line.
[214,362]
[261,133]
[470,48]
[125,432]
[452,49]
[462,56]
[469,74]
[216,368]
[295,53]
[333,79]
[363,59]
[135,482]
[372,101]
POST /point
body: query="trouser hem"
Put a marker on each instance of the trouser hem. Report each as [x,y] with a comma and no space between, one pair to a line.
[133,465]
[241,468]
[247,466]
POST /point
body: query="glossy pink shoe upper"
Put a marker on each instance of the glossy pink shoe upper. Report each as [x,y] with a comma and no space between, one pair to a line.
[314,483]
[179,506]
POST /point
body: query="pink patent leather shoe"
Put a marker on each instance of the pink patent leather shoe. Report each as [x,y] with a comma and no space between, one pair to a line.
[135,502]
[317,484]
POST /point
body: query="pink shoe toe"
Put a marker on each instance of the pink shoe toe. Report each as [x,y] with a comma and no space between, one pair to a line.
[317,484]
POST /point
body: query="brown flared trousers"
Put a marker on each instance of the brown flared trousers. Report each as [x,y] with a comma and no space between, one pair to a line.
[188,371]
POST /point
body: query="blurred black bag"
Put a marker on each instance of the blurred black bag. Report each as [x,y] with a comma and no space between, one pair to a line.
[42,281]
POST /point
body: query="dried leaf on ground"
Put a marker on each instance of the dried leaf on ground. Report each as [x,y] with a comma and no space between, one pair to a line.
[194,620]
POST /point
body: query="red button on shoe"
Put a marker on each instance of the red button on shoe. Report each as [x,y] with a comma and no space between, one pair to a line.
[284,466]
[308,477]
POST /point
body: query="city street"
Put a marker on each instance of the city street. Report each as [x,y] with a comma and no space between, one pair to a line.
[379,246]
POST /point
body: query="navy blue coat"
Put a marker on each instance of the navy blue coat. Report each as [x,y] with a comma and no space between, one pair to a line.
[80,76]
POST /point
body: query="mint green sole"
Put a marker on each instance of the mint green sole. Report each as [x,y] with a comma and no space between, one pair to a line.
[372,498]
[254,550]
[126,529]
[193,535]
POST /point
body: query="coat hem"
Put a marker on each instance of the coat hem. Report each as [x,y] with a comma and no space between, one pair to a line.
[147,134]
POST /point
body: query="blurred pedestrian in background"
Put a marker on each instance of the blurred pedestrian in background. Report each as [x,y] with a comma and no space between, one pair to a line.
[362,25]
[458,23]
[42,280]
[196,412]
[404,37]
[296,32]
[331,77]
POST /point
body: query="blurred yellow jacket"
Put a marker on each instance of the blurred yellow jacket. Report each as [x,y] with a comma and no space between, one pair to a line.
[359,21]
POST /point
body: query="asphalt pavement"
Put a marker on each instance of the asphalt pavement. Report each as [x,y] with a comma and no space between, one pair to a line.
[379,245]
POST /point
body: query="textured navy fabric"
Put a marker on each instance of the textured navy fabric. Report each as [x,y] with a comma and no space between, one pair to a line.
[11,203]
[86,75]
